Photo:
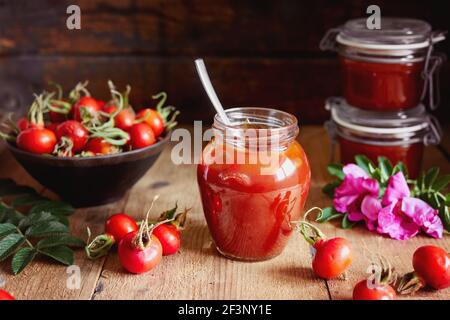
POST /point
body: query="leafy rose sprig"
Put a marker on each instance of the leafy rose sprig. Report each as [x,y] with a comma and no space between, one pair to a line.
[429,187]
[41,229]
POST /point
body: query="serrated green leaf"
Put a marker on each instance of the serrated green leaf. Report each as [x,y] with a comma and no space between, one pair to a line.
[47,228]
[335,170]
[35,218]
[61,254]
[430,177]
[56,241]
[441,183]
[27,200]
[10,243]
[400,167]
[54,207]
[363,162]
[385,167]
[346,223]
[9,214]
[7,228]
[63,219]
[329,188]
[9,188]
[22,258]
[328,214]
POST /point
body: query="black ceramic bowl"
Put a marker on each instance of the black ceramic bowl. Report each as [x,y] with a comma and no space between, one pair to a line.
[91,181]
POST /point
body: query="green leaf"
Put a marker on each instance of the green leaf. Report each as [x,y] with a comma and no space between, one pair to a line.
[54,207]
[444,214]
[9,244]
[363,162]
[347,224]
[22,258]
[46,228]
[27,200]
[420,182]
[9,188]
[335,170]
[8,214]
[441,183]
[447,200]
[63,219]
[385,168]
[329,188]
[35,218]
[400,167]
[61,254]
[7,228]
[56,241]
[328,214]
[430,177]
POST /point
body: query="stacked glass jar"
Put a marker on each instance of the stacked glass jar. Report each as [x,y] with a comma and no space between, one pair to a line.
[386,73]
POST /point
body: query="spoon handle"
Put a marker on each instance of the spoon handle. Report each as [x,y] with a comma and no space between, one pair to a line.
[206,81]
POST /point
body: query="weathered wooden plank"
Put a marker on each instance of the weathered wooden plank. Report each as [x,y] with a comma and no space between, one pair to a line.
[299,86]
[198,27]
[198,271]
[293,84]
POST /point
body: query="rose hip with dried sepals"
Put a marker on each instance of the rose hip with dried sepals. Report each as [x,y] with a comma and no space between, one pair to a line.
[379,287]
[431,268]
[332,257]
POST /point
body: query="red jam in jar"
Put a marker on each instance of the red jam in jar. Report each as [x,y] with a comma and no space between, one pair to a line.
[249,205]
[398,136]
[387,69]
[382,86]
[410,154]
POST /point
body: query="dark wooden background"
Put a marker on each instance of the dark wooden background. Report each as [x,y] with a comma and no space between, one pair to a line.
[259,53]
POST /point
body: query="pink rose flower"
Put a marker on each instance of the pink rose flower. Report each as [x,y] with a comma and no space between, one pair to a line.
[424,216]
[403,216]
[392,221]
[396,189]
[357,195]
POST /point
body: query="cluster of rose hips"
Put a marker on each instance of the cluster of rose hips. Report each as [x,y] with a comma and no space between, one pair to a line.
[81,125]
[140,247]
[332,258]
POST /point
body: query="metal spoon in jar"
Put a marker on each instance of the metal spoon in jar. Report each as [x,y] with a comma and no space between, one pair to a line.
[206,81]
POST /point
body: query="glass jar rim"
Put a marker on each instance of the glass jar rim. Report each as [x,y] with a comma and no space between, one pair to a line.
[394,31]
[397,37]
[390,122]
[413,125]
[275,120]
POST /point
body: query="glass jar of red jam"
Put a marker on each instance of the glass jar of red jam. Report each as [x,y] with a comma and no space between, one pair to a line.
[387,69]
[254,179]
[398,136]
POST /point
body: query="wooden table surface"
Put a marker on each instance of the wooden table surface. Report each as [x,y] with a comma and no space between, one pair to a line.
[198,271]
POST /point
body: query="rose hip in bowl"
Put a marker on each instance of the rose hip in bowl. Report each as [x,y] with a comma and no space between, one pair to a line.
[248,203]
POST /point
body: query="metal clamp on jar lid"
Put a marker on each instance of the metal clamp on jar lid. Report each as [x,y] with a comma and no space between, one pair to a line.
[387,128]
[400,40]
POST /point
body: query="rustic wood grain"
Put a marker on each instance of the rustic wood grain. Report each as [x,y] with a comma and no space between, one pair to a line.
[198,272]
[195,27]
[278,83]
[259,53]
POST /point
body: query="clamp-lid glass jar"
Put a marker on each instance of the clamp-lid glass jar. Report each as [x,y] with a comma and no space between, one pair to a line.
[387,69]
[398,136]
[250,203]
